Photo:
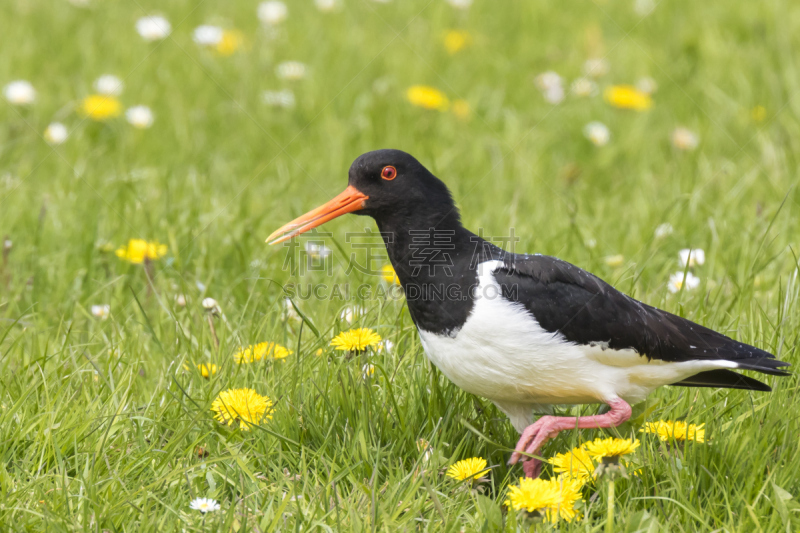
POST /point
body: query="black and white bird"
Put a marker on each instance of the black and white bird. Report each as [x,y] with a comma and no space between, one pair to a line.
[526,331]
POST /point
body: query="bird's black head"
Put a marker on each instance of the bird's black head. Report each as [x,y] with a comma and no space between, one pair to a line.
[388,185]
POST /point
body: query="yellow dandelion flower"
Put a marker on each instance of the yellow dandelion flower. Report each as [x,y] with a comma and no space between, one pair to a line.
[758,113]
[207,370]
[230,42]
[389,275]
[554,498]
[356,340]
[615,260]
[668,430]
[427,97]
[455,40]
[628,97]
[100,107]
[611,448]
[257,352]
[576,464]
[473,468]
[461,109]
[319,352]
[245,406]
[139,250]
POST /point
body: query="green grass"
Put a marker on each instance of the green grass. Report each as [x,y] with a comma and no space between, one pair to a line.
[100,423]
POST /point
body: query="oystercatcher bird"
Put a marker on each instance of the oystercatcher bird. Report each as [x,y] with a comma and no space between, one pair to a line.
[526,331]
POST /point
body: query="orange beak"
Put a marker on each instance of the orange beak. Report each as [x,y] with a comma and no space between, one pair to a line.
[351,199]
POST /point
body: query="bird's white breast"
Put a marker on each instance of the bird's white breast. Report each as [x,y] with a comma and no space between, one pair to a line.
[502,353]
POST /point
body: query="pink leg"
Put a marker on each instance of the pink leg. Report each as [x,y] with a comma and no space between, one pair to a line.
[547,427]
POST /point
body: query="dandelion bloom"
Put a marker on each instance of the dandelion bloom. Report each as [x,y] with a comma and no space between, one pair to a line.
[628,97]
[207,370]
[20,92]
[153,28]
[615,260]
[259,351]
[554,498]
[668,430]
[243,405]
[692,256]
[389,275]
[611,448]
[139,116]
[230,42]
[56,133]
[427,97]
[204,505]
[100,107]
[677,282]
[356,340]
[109,85]
[468,469]
[758,113]
[575,464]
[455,40]
[139,250]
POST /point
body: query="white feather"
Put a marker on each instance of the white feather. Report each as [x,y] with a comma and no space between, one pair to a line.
[503,354]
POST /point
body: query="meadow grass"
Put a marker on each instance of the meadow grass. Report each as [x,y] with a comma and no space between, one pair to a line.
[105,425]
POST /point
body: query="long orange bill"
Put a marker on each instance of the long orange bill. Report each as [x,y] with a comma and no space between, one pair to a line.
[351,199]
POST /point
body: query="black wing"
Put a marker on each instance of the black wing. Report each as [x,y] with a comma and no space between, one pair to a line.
[585,309]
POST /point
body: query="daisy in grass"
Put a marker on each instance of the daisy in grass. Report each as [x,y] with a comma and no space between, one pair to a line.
[352,313]
[576,464]
[262,350]
[647,85]
[326,5]
[596,67]
[101,311]
[427,97]
[153,28]
[663,230]
[389,276]
[140,117]
[291,70]
[356,340]
[677,281]
[551,85]
[684,139]
[554,499]
[680,431]
[138,251]
[472,469]
[610,450]
[204,505]
[56,133]
[284,98]
[272,12]
[628,97]
[456,40]
[109,85]
[20,92]
[691,257]
[367,371]
[99,107]
[245,406]
[207,35]
[207,370]
[597,133]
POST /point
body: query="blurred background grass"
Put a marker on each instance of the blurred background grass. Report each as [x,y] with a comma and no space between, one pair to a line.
[100,424]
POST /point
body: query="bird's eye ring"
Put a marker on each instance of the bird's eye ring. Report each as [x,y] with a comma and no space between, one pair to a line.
[389,173]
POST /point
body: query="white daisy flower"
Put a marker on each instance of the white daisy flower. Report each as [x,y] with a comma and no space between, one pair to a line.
[384,345]
[596,67]
[211,305]
[326,5]
[597,133]
[7,245]
[272,12]
[647,85]
[460,4]
[101,311]
[684,139]
[153,28]
[694,257]
[207,35]
[20,92]
[663,230]
[204,505]
[644,7]
[180,300]
[108,84]
[317,251]
[291,70]
[554,95]
[140,116]
[284,98]
[56,133]
[367,371]
[351,314]
[548,80]
[583,87]
[676,282]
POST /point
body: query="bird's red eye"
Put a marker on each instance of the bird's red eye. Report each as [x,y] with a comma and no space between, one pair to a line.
[389,173]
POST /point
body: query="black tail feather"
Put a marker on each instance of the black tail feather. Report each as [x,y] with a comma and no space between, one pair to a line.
[764,364]
[727,379]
